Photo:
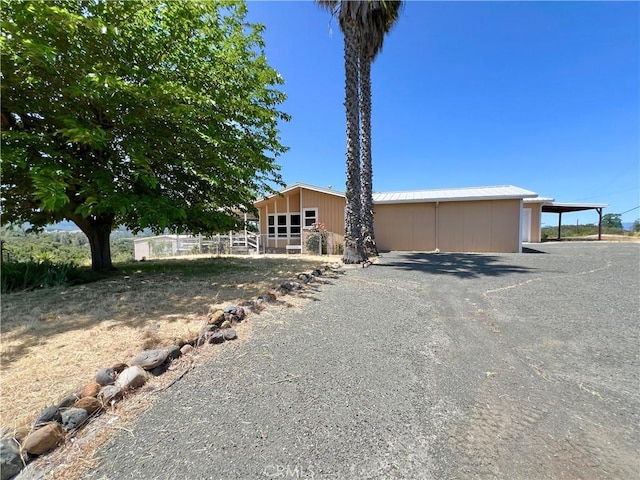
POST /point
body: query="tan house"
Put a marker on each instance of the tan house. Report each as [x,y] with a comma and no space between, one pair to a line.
[478,219]
[481,219]
[286,217]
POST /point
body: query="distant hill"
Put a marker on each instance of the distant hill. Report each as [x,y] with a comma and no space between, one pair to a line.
[64,226]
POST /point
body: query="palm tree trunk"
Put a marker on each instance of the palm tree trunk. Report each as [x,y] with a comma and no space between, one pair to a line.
[368,236]
[353,248]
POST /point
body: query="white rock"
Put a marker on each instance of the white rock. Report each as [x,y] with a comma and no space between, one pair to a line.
[132,377]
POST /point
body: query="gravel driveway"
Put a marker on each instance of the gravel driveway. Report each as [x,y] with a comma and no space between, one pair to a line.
[423,366]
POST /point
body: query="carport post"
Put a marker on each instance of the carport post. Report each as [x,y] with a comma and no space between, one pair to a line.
[559,224]
[599,210]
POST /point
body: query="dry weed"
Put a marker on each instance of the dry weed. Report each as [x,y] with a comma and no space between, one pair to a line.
[54,341]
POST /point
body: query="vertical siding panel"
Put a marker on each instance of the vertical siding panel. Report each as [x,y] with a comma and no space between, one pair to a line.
[536,218]
[424,222]
[451,228]
[330,209]
[505,226]
[477,226]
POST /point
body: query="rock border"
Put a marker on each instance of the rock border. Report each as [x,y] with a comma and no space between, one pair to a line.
[57,423]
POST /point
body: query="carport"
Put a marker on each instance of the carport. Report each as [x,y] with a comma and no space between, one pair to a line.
[560,208]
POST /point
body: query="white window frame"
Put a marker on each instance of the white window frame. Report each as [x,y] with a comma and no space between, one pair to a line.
[273,231]
[304,217]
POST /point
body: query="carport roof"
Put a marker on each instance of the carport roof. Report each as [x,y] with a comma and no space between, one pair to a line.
[561,207]
[504,192]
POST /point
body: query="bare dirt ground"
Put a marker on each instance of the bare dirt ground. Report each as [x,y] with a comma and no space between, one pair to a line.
[54,341]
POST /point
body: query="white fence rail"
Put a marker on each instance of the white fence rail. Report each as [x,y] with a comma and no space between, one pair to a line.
[177,245]
[308,242]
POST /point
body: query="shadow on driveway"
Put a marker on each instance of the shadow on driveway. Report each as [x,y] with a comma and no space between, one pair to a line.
[462,265]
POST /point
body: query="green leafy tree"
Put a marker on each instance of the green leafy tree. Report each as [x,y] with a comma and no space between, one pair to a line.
[612,221]
[636,226]
[148,114]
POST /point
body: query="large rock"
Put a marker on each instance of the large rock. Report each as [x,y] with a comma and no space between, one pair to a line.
[109,394]
[90,390]
[69,400]
[235,314]
[150,359]
[10,459]
[49,414]
[217,337]
[73,418]
[44,439]
[290,286]
[216,317]
[106,376]
[268,297]
[132,377]
[90,404]
[229,334]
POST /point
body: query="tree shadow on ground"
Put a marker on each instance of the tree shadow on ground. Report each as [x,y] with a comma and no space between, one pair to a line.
[462,265]
[150,303]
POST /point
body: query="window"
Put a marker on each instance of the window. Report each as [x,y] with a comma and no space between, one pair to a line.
[294,224]
[283,225]
[310,216]
[271,226]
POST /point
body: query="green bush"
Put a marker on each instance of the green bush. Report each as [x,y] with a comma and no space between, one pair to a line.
[31,275]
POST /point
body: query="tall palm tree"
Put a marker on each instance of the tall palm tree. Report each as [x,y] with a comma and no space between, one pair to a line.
[350,17]
[364,24]
[380,19]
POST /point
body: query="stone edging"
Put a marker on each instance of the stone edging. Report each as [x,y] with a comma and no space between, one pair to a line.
[61,421]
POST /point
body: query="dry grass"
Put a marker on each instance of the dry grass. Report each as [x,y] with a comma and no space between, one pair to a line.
[54,341]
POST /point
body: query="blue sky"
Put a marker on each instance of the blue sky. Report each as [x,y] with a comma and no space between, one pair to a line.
[542,95]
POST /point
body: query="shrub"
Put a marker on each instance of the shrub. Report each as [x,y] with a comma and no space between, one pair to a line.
[317,236]
[32,275]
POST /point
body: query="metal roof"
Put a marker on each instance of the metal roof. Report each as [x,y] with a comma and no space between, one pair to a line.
[504,192]
[561,207]
[539,200]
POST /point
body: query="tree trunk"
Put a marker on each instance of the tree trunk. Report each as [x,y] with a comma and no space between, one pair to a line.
[368,236]
[98,231]
[353,248]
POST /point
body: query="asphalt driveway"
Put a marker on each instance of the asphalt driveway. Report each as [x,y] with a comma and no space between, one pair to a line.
[423,366]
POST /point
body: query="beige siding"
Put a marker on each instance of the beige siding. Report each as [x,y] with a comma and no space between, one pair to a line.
[505,226]
[330,209]
[469,226]
[480,226]
[536,218]
[330,212]
[408,227]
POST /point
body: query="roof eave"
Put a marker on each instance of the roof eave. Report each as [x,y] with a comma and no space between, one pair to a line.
[454,199]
